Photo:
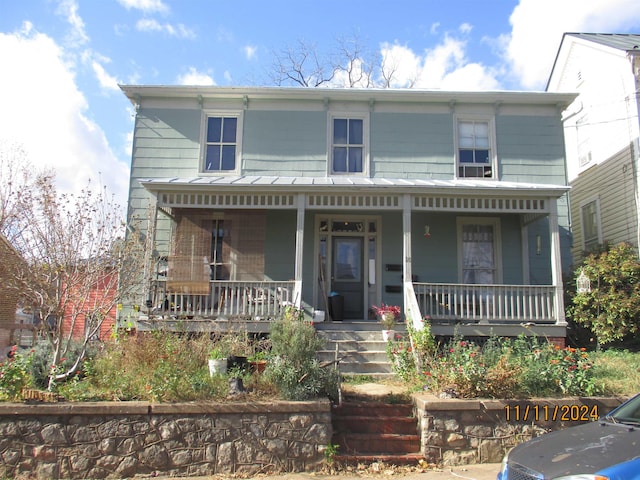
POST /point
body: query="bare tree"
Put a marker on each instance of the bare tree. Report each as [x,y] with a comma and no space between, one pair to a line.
[301,66]
[77,265]
[351,66]
[357,65]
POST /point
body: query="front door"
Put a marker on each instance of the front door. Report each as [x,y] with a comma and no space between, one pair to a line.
[347,274]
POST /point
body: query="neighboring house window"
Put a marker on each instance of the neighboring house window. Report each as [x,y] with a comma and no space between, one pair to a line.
[221,144]
[348,146]
[591,224]
[584,144]
[478,249]
[475,157]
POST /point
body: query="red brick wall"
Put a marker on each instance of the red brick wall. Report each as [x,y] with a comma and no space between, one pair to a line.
[101,294]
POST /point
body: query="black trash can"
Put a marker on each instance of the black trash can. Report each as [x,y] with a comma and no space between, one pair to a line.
[336,308]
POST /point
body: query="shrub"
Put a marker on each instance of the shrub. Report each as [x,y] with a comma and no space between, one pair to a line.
[15,374]
[41,366]
[510,368]
[294,368]
[611,310]
[400,353]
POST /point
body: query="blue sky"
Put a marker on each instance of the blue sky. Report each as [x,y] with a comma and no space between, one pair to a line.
[62,60]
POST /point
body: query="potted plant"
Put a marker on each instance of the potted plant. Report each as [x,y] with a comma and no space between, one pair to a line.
[388,316]
[217,361]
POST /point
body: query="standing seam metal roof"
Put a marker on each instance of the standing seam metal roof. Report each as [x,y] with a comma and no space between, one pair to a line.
[621,41]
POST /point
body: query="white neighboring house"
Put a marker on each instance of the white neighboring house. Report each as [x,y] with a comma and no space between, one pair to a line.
[601,134]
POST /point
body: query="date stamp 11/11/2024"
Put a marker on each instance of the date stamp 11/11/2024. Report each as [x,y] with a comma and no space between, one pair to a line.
[550,413]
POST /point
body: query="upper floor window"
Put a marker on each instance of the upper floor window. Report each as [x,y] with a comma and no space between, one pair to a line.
[584,143]
[348,145]
[591,236]
[475,156]
[221,144]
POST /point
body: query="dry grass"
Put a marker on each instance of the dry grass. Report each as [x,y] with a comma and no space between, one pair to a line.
[618,372]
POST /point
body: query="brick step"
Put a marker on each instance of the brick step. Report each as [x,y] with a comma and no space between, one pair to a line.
[376,444]
[373,409]
[400,459]
[389,425]
[368,431]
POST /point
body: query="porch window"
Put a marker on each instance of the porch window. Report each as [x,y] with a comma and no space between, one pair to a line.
[591,224]
[475,156]
[479,253]
[221,143]
[348,145]
[189,262]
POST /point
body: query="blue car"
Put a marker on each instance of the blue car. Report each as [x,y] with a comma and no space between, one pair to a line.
[606,449]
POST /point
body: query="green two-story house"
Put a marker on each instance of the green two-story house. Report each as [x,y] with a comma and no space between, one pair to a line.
[451,205]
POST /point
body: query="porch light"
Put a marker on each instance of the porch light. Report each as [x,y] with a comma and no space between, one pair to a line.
[583,283]
[427,231]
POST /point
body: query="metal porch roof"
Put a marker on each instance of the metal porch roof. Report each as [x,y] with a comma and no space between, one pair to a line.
[303,184]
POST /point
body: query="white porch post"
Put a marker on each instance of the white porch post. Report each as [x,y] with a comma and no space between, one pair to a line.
[406,238]
[556,261]
[297,291]
[411,308]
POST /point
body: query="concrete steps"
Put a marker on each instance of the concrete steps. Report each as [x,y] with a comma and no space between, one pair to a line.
[358,345]
[368,432]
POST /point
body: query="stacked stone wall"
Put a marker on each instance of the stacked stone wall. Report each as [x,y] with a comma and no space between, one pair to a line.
[463,432]
[129,439]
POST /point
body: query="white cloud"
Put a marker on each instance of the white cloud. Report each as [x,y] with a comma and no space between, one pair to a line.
[250,52]
[444,67]
[106,81]
[193,77]
[531,50]
[145,5]
[69,10]
[48,118]
[465,28]
[151,25]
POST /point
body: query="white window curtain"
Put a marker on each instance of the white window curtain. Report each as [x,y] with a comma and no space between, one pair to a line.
[478,254]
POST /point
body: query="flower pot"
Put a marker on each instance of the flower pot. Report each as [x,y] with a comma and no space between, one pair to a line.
[217,366]
[387,335]
[258,366]
[237,362]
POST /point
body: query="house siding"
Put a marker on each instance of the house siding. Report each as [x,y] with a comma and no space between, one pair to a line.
[412,145]
[613,184]
[291,141]
[530,149]
[601,132]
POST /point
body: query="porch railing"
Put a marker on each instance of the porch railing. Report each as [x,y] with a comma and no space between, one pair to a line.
[449,302]
[227,300]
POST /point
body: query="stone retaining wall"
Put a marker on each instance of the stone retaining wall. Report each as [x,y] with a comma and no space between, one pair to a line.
[121,440]
[462,432]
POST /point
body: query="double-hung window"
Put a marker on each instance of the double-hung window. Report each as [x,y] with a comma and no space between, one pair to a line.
[221,143]
[474,153]
[590,213]
[348,152]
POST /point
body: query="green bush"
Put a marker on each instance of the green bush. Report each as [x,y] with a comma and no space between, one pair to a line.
[15,374]
[499,368]
[611,309]
[294,368]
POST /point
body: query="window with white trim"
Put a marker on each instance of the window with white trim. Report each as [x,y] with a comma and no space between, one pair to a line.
[478,250]
[221,143]
[474,149]
[590,213]
[348,149]
[584,141]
